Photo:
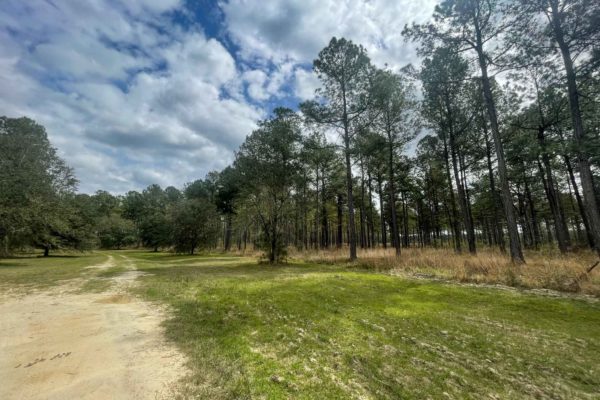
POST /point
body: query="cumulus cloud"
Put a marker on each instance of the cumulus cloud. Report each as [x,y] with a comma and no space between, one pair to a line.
[305,83]
[284,30]
[131,97]
[127,104]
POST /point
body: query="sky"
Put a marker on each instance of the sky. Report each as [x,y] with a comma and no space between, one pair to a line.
[137,92]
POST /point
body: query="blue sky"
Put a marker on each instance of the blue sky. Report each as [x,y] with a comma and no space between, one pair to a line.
[136,92]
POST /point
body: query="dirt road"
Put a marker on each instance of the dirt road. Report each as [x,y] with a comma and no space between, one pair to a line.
[59,344]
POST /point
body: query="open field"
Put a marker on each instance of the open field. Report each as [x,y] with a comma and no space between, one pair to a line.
[326,331]
[300,330]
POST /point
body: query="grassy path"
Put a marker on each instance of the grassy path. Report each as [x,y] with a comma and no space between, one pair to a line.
[70,329]
[307,331]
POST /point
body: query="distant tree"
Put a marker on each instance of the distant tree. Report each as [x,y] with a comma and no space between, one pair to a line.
[132,206]
[194,224]
[105,203]
[394,105]
[173,194]
[320,158]
[448,111]
[153,225]
[268,162]
[116,232]
[227,191]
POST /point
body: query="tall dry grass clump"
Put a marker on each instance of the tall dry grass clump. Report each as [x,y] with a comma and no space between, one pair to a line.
[545,269]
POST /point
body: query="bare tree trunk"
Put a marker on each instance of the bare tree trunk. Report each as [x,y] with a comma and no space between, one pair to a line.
[454,219]
[559,224]
[363,233]
[533,215]
[498,231]
[371,221]
[340,218]
[392,195]
[228,230]
[351,226]
[461,196]
[580,206]
[382,211]
[562,233]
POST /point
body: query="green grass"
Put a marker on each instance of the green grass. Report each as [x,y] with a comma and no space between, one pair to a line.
[314,331]
[29,272]
[95,285]
[112,271]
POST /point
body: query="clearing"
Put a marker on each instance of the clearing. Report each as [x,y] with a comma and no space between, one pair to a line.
[298,331]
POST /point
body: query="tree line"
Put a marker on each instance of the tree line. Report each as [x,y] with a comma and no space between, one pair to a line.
[501,118]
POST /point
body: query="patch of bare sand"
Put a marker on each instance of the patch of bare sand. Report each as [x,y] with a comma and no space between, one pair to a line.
[61,345]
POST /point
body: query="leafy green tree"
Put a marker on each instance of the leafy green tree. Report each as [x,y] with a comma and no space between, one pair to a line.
[194,220]
[116,232]
[35,184]
[268,162]
[152,223]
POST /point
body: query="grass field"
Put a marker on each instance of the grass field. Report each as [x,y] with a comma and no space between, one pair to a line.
[311,331]
[308,331]
[36,272]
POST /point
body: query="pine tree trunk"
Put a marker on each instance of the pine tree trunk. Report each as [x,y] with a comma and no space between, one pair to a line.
[351,226]
[516,254]
[559,225]
[340,217]
[585,172]
[454,222]
[392,196]
[580,206]
[498,232]
[382,211]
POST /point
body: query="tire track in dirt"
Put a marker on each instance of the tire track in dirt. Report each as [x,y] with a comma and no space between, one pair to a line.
[58,344]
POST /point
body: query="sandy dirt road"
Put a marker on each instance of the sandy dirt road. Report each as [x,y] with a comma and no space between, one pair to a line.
[59,344]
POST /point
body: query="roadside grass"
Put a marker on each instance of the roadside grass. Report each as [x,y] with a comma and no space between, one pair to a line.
[34,272]
[307,331]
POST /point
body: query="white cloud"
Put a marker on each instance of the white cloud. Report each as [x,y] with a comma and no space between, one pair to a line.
[296,30]
[130,98]
[126,104]
[305,84]
[256,80]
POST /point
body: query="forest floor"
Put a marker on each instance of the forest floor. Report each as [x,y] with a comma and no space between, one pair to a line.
[70,329]
[296,331]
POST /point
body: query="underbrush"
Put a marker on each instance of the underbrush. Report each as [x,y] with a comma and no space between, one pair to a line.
[545,269]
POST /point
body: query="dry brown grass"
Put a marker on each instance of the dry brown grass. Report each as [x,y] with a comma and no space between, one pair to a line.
[545,269]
